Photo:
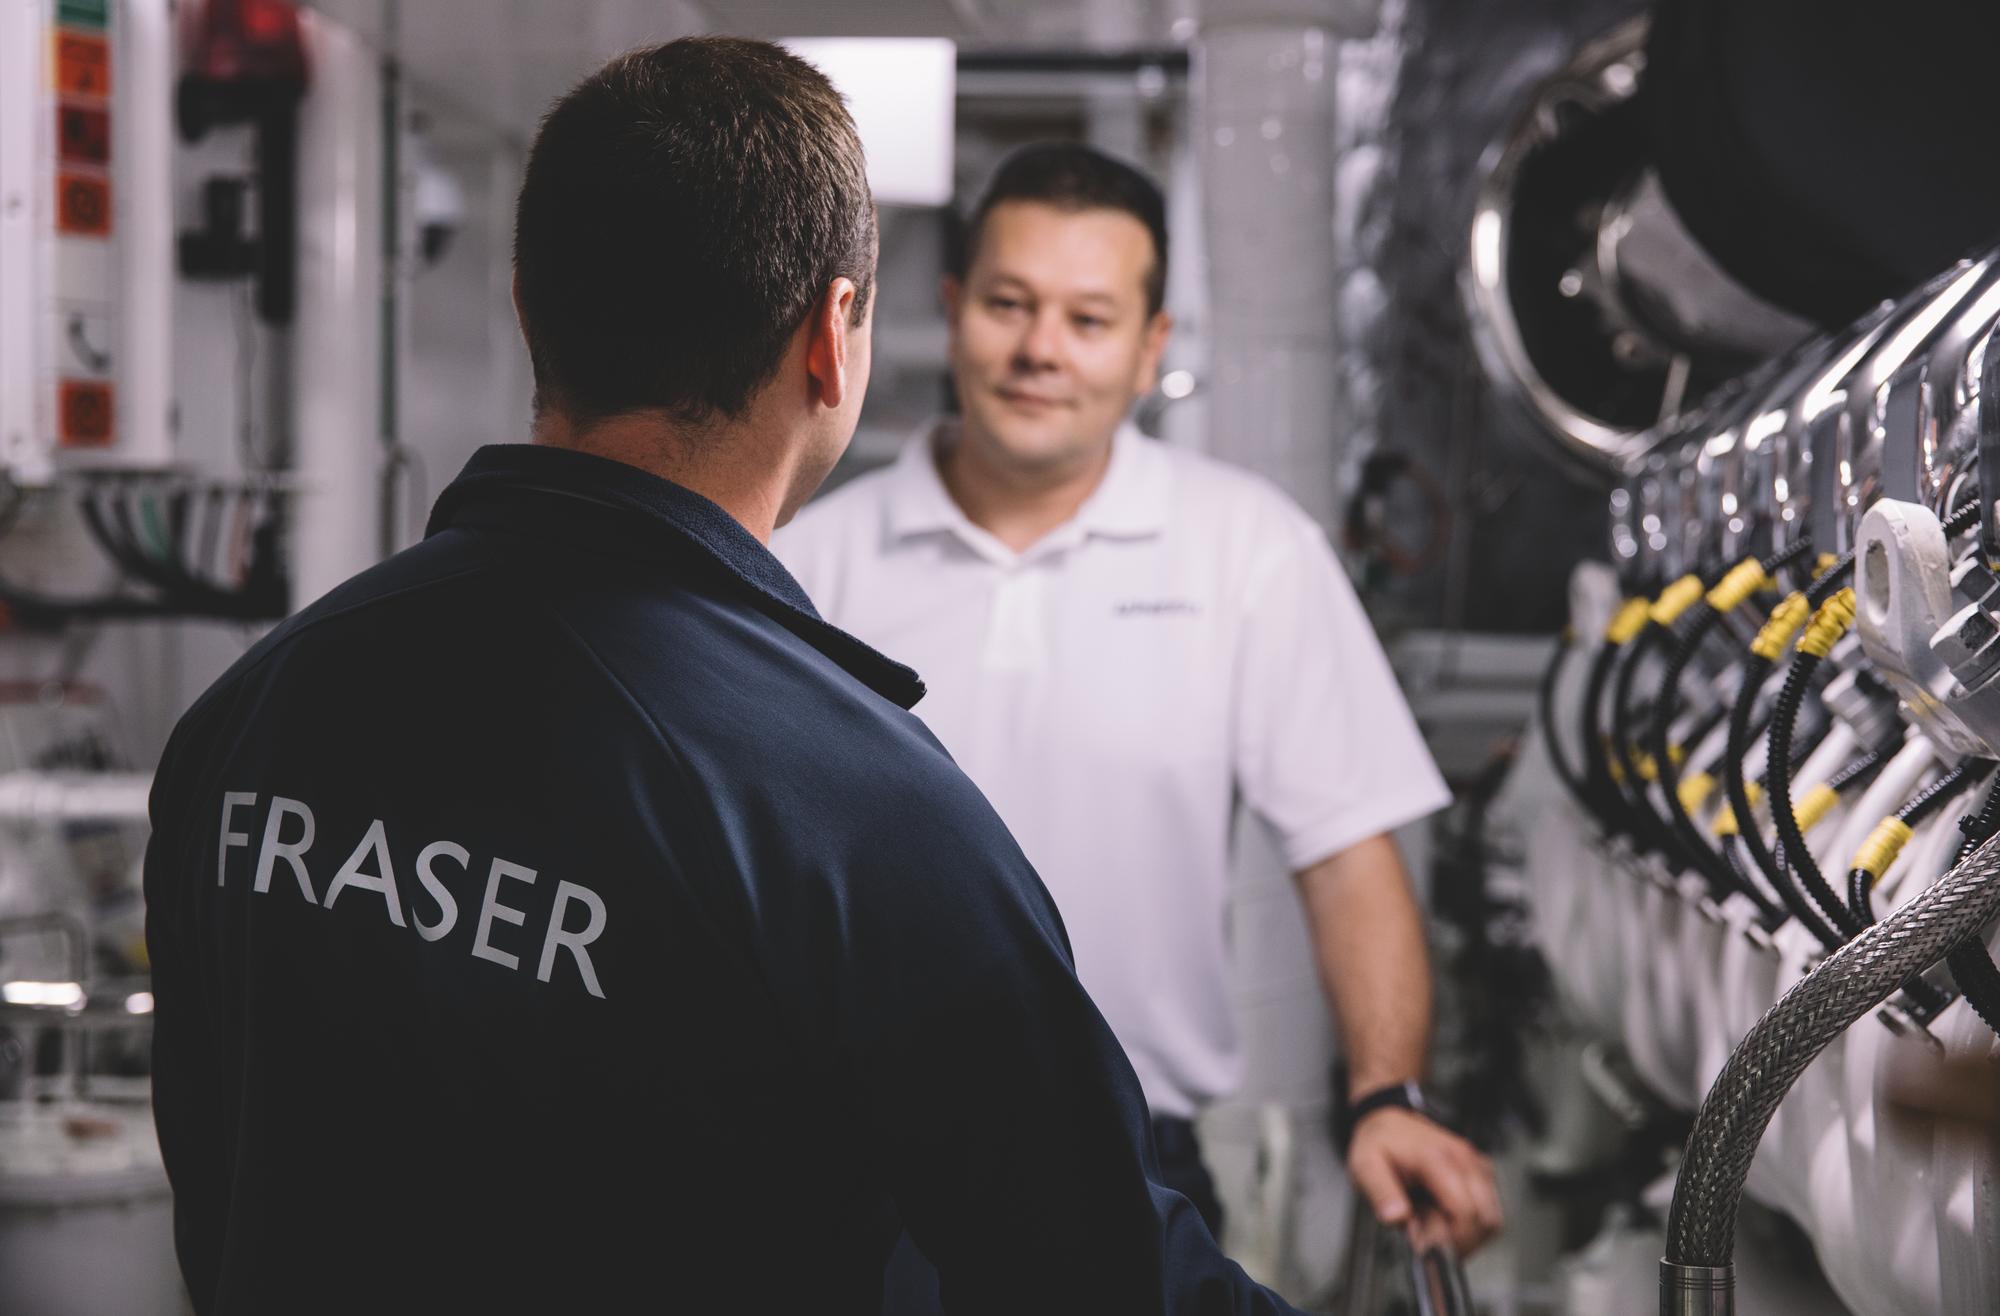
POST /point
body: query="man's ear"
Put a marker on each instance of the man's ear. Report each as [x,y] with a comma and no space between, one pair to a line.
[827,346]
[1150,352]
[951,289]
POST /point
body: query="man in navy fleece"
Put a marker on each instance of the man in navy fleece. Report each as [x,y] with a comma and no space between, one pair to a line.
[561,916]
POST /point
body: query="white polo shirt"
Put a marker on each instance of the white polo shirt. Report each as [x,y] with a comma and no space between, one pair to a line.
[1185,640]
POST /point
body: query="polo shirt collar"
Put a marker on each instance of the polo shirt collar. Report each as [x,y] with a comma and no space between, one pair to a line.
[1130,502]
[665,512]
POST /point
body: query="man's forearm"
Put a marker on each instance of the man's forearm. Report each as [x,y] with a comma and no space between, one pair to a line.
[1368,938]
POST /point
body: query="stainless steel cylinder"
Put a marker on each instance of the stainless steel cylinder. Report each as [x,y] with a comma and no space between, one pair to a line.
[1697,1290]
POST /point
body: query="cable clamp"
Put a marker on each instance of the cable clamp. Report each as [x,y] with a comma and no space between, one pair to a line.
[1628,622]
[1882,846]
[1786,621]
[1816,804]
[1743,580]
[1675,599]
[1829,623]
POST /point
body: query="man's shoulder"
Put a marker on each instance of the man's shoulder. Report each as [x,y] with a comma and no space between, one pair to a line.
[1215,495]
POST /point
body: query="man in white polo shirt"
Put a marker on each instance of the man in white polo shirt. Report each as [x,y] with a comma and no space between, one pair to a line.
[1121,639]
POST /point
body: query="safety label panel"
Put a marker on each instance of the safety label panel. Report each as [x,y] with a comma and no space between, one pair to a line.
[85,407]
[84,13]
[83,134]
[83,64]
[83,206]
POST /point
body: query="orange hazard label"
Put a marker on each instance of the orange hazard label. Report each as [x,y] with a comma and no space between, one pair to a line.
[86,413]
[83,133]
[83,206]
[83,64]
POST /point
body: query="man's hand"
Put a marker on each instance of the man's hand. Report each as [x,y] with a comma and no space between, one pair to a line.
[1420,1175]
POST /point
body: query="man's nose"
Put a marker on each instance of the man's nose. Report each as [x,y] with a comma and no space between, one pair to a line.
[1040,344]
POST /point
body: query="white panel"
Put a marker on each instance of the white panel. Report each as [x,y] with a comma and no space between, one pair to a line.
[23,440]
[901,93]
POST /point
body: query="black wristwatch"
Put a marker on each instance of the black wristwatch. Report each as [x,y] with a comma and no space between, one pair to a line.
[1403,1096]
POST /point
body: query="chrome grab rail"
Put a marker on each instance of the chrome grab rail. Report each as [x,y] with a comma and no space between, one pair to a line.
[1434,1275]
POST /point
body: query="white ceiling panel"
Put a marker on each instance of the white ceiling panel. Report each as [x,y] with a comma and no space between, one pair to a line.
[502,61]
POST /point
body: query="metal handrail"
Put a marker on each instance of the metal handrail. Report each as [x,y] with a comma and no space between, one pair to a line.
[1435,1275]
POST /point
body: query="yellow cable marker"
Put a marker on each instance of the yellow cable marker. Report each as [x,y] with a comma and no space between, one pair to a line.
[1882,846]
[1815,805]
[1648,766]
[1743,580]
[1787,620]
[1829,624]
[1695,790]
[1629,620]
[1826,563]
[1725,822]
[1675,599]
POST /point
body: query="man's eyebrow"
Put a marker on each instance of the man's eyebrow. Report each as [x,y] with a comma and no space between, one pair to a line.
[1094,296]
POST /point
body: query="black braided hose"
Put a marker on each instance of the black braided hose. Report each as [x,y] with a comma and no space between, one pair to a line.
[1572,778]
[1606,800]
[1687,636]
[1756,671]
[1919,810]
[1794,857]
[1647,828]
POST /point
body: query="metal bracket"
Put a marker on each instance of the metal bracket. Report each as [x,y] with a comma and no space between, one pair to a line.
[1903,573]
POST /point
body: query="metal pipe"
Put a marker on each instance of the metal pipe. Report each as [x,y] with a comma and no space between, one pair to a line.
[1697,1272]
[1697,1290]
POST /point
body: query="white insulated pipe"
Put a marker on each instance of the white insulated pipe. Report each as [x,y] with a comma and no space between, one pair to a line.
[1264,116]
[337,334]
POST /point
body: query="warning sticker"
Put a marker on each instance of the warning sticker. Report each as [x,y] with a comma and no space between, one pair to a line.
[83,134]
[86,410]
[83,64]
[83,206]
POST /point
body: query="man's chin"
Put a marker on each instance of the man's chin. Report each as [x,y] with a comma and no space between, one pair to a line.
[1031,448]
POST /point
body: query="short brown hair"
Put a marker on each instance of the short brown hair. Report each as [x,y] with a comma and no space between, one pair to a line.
[684,208]
[1075,177]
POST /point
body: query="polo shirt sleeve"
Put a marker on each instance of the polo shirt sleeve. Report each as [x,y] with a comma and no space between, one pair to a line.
[1326,749]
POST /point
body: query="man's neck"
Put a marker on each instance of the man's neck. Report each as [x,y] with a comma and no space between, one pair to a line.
[725,464]
[1017,507]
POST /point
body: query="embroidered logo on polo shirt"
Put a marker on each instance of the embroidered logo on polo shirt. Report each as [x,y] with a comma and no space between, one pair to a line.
[1156,608]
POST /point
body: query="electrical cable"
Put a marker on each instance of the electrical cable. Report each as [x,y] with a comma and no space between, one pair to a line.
[1572,777]
[1648,829]
[1599,780]
[1879,851]
[1834,615]
[1786,621]
[1794,858]
[1737,586]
